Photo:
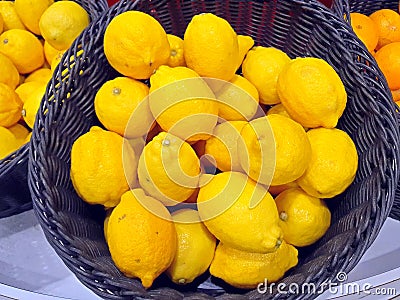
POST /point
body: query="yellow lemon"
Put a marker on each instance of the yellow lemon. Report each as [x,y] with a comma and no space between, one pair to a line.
[42,75]
[262,67]
[25,90]
[142,241]
[20,132]
[10,17]
[237,100]
[168,169]
[275,190]
[333,165]
[304,219]
[102,166]
[182,103]
[222,146]
[245,43]
[247,270]
[28,138]
[50,52]
[121,99]
[136,44]
[8,72]
[32,104]
[312,92]
[8,142]
[240,213]
[56,60]
[30,12]
[278,109]
[62,23]
[106,220]
[10,106]
[176,57]
[196,247]
[211,47]
[23,49]
[1,24]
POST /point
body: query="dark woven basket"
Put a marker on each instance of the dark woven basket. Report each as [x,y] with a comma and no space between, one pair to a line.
[14,192]
[367,7]
[300,28]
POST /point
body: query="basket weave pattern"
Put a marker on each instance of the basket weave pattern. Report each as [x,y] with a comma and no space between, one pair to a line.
[300,28]
[14,192]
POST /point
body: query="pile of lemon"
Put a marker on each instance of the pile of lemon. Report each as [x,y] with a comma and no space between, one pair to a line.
[33,38]
[221,162]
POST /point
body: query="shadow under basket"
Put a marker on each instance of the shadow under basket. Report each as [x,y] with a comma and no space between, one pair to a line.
[14,192]
[300,28]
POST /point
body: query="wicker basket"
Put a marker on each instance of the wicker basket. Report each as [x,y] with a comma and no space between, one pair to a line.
[299,27]
[367,7]
[14,192]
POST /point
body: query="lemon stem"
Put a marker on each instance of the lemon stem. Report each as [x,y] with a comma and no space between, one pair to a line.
[182,281]
[283,216]
[116,91]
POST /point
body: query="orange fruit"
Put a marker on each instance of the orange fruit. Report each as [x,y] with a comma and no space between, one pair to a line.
[365,29]
[10,106]
[396,95]
[388,59]
[388,23]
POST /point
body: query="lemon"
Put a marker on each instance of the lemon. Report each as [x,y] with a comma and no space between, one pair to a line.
[168,169]
[222,146]
[32,104]
[11,20]
[50,52]
[62,23]
[30,12]
[304,219]
[176,57]
[10,106]
[275,190]
[196,247]
[237,100]
[41,75]
[247,270]
[211,47]
[56,60]
[333,165]
[262,67]
[182,103]
[136,44]
[25,90]
[105,223]
[121,99]
[8,142]
[1,24]
[278,109]
[28,138]
[20,132]
[142,242]
[8,72]
[240,213]
[23,49]
[98,161]
[312,92]
[245,43]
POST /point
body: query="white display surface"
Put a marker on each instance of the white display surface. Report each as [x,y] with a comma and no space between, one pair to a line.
[30,269]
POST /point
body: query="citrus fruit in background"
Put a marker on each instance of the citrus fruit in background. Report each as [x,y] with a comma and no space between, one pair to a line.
[262,67]
[26,89]
[388,24]
[196,247]
[304,219]
[8,72]
[256,150]
[388,59]
[245,43]
[142,242]
[237,100]
[278,109]
[56,60]
[240,213]
[41,75]
[120,99]
[30,12]
[62,23]
[333,165]
[396,95]
[247,270]
[176,57]
[10,17]
[211,47]
[50,52]
[132,51]
[1,24]
[222,145]
[10,106]
[365,29]
[23,49]
[312,92]
[32,104]
[105,223]
[275,190]
[168,169]
[98,164]
[20,132]
[8,142]
[182,103]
